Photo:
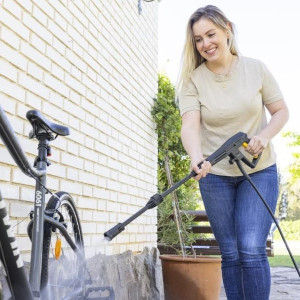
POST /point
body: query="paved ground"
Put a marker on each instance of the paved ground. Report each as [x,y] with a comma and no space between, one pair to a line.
[285,281]
[285,284]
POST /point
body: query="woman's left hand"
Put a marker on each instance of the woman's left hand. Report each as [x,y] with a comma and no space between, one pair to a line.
[257,145]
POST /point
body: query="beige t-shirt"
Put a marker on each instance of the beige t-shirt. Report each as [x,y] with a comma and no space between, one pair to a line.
[230,104]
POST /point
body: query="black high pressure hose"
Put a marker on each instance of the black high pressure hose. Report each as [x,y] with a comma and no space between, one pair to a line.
[238,162]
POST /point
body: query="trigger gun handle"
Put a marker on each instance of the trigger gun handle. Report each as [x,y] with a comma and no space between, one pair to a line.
[255,159]
[231,148]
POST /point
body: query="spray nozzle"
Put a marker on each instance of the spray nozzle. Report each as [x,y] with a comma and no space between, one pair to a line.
[110,234]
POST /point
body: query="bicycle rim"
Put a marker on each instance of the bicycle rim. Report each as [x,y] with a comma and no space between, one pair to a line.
[61,276]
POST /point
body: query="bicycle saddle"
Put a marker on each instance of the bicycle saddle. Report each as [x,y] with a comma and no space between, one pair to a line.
[42,128]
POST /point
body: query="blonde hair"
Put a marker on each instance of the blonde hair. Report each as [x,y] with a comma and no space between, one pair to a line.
[191,59]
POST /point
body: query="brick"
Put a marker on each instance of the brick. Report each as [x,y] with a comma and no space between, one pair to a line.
[9,108]
[40,16]
[87,190]
[57,170]
[61,8]
[21,228]
[26,4]
[59,46]
[35,56]
[89,143]
[37,27]
[87,203]
[78,136]
[8,70]
[75,72]
[55,113]
[45,7]
[76,60]
[33,86]
[38,43]
[12,56]
[74,187]
[52,183]
[27,194]
[89,130]
[59,59]
[75,85]
[73,123]
[61,21]
[19,210]
[90,84]
[57,100]
[10,37]
[77,13]
[17,125]
[5,173]
[20,178]
[72,160]
[88,178]
[72,148]
[72,174]
[35,71]
[24,244]
[60,34]
[57,85]
[87,215]
[13,8]
[100,216]
[9,191]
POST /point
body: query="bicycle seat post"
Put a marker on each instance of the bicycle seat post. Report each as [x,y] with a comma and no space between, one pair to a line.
[41,163]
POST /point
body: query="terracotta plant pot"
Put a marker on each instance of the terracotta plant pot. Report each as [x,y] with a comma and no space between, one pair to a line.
[191,278]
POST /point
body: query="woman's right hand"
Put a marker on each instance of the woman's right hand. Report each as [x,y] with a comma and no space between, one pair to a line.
[203,171]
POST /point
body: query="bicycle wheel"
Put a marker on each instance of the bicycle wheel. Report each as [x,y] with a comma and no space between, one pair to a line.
[62,275]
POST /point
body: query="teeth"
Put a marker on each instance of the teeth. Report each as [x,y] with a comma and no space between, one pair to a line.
[210,51]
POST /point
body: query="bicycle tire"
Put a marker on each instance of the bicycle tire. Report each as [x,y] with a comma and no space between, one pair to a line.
[14,270]
[59,277]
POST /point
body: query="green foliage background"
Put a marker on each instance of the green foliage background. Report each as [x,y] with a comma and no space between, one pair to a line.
[290,229]
[168,124]
[293,185]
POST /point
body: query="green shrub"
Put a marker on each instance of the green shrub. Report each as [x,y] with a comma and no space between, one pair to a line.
[173,165]
[290,229]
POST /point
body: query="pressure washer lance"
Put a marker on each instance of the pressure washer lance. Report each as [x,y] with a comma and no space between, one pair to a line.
[230,148]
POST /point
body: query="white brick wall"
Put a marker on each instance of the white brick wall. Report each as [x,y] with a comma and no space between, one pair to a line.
[92,66]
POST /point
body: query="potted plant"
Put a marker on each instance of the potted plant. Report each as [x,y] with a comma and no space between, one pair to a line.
[186,276]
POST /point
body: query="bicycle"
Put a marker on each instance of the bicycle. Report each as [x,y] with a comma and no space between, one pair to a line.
[56,272]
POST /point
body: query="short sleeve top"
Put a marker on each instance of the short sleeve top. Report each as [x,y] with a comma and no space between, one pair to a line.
[229,104]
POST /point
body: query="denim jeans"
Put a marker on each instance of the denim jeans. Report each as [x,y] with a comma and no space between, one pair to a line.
[241,223]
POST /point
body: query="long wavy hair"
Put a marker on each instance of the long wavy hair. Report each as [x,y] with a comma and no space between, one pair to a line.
[191,58]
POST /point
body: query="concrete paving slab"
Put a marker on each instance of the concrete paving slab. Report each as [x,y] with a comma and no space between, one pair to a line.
[285,284]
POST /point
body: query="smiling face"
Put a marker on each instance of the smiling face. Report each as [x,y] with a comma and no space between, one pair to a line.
[211,41]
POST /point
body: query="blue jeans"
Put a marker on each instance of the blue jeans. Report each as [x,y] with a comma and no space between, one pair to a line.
[241,223]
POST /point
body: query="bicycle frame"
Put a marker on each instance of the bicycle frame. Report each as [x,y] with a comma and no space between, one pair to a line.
[38,221]
[9,252]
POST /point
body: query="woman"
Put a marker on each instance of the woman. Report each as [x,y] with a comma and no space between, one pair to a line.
[222,93]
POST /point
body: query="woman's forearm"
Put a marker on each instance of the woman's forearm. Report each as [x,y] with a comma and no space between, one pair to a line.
[191,140]
[276,123]
[190,137]
[279,116]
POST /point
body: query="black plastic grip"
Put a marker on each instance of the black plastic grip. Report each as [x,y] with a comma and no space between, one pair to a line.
[231,148]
